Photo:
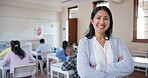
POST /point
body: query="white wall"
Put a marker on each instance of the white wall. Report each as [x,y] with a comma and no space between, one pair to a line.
[18,17]
[18,22]
[84,10]
[123,22]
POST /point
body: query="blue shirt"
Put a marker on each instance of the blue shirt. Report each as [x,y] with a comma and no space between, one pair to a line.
[61,55]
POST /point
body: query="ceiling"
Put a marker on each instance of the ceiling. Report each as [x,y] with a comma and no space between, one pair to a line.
[56,2]
[65,2]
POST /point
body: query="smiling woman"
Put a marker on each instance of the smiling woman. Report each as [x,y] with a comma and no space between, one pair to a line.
[100,54]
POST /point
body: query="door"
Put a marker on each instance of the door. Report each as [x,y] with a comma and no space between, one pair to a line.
[72,33]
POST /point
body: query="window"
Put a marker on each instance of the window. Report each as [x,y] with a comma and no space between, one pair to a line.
[140,30]
[73,12]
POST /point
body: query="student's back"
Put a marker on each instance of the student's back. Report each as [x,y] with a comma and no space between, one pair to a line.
[44,47]
[14,60]
[61,55]
[17,57]
[3,53]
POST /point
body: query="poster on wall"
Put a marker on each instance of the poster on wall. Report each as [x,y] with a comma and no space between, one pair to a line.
[38,31]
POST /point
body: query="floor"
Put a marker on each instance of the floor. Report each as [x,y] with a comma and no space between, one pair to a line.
[39,74]
[135,74]
[138,74]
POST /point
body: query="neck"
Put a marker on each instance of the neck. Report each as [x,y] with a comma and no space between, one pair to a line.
[100,36]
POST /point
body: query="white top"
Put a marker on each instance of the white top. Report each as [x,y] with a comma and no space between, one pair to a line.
[102,54]
[44,48]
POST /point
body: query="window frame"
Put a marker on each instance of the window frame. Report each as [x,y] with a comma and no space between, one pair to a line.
[135,25]
[69,11]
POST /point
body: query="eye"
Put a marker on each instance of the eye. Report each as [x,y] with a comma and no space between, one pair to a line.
[106,18]
[98,18]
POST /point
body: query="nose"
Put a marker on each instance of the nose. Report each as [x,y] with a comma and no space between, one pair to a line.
[102,21]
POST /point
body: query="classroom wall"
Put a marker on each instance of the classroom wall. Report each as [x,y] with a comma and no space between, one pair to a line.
[18,17]
[17,21]
[123,22]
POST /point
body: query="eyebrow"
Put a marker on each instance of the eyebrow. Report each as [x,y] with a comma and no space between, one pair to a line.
[101,16]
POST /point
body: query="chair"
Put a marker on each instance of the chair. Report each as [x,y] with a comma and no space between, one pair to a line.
[44,59]
[57,68]
[25,70]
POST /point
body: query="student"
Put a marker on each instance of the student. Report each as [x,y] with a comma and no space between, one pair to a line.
[43,48]
[17,57]
[70,63]
[3,53]
[101,55]
[61,53]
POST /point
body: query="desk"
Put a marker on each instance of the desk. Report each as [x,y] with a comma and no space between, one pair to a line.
[36,54]
[51,56]
[57,67]
[139,54]
[4,69]
[141,62]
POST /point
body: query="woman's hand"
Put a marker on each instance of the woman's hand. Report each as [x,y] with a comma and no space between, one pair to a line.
[94,66]
[121,58]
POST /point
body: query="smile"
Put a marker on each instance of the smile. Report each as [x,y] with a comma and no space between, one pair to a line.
[101,27]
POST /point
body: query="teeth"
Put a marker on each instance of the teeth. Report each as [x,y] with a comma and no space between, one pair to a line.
[101,26]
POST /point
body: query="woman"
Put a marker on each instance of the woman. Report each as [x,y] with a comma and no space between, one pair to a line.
[17,57]
[101,55]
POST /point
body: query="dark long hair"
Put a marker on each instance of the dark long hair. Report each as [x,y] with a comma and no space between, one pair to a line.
[108,32]
[15,47]
[64,44]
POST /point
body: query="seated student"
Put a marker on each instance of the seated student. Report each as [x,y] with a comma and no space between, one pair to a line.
[17,57]
[43,48]
[71,61]
[3,53]
[61,53]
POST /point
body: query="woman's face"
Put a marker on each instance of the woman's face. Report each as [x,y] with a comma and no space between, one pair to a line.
[101,21]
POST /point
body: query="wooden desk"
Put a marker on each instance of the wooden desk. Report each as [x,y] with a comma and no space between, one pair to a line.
[141,62]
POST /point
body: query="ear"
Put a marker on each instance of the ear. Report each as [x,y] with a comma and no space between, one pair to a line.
[91,21]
